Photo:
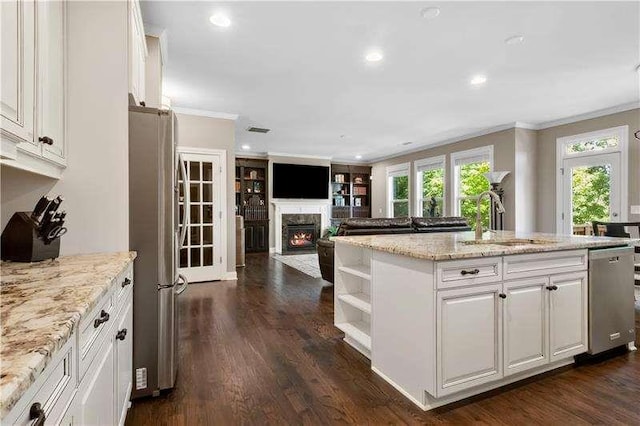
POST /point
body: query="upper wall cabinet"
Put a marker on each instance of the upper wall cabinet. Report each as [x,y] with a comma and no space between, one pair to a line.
[137,52]
[18,74]
[33,86]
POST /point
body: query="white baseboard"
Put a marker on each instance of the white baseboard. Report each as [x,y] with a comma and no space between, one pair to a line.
[272,249]
[230,276]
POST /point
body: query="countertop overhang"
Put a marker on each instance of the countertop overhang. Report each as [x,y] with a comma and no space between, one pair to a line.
[439,246]
[41,304]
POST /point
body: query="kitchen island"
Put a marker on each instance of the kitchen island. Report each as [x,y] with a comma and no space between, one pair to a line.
[64,347]
[443,316]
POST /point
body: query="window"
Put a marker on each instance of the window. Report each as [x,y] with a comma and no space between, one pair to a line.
[398,190]
[469,168]
[430,185]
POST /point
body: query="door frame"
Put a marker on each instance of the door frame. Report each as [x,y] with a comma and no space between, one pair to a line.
[622,149]
[222,155]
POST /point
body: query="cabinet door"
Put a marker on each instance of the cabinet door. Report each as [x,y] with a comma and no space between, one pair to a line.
[568,315]
[525,319]
[469,337]
[249,238]
[51,78]
[261,237]
[124,356]
[18,72]
[137,52]
[96,393]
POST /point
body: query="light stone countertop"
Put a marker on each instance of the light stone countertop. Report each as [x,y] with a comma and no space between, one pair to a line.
[41,304]
[450,245]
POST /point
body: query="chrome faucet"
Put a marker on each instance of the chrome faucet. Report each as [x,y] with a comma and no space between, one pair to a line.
[500,209]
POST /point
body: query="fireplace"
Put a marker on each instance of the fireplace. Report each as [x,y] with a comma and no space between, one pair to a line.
[300,233]
[301,237]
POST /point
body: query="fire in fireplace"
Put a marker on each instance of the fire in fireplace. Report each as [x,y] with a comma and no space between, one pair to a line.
[301,237]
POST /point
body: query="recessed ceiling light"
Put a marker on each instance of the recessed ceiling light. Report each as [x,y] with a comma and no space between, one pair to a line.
[478,80]
[430,12]
[246,147]
[374,56]
[513,40]
[358,157]
[220,20]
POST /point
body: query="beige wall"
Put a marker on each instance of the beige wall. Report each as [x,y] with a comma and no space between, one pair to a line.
[547,173]
[215,133]
[287,160]
[503,156]
[95,183]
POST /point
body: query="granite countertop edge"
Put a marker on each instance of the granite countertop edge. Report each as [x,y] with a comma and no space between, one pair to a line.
[39,356]
[405,244]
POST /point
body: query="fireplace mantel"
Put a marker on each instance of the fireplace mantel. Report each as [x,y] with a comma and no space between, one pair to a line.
[320,207]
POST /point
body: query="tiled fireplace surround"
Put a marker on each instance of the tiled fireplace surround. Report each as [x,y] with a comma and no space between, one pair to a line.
[299,219]
[298,212]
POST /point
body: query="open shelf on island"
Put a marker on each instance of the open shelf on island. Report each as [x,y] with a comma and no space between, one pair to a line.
[360,301]
[359,331]
[362,271]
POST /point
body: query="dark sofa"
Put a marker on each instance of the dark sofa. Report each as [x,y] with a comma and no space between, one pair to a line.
[383,226]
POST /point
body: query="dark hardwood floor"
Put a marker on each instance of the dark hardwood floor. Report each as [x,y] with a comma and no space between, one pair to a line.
[264,351]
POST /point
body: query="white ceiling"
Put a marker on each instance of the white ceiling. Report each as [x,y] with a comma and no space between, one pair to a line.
[298,68]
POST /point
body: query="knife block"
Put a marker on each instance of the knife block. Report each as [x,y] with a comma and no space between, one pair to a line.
[20,241]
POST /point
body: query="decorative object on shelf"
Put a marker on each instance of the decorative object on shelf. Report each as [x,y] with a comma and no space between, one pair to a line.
[253,174]
[34,236]
[495,178]
[358,180]
[357,202]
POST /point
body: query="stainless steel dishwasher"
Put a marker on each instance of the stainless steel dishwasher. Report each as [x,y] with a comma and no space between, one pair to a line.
[611,298]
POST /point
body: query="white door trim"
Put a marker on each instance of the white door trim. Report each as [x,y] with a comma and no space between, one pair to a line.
[623,136]
[222,156]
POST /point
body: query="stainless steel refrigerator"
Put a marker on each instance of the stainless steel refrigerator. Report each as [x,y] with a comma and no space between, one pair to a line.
[155,200]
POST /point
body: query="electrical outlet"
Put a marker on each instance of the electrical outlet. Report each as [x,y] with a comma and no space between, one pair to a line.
[635,209]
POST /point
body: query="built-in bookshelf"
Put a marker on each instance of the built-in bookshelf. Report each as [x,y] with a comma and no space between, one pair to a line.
[350,192]
[252,201]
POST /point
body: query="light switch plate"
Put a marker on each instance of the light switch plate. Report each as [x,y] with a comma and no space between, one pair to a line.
[635,209]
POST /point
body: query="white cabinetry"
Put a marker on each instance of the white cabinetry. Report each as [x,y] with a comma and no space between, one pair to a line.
[95,395]
[525,313]
[568,315]
[18,74]
[51,79]
[469,337]
[137,52]
[446,330]
[124,361]
[33,86]
[89,380]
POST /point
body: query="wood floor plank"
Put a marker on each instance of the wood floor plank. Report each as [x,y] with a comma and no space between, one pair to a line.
[263,350]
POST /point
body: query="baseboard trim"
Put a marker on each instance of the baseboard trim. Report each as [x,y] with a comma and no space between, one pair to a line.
[230,276]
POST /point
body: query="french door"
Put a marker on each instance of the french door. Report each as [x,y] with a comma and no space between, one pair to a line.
[203,256]
[591,187]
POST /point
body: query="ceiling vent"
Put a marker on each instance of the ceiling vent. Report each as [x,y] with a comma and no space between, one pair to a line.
[258,130]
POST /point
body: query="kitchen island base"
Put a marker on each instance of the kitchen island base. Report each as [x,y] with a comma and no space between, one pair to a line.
[445,328]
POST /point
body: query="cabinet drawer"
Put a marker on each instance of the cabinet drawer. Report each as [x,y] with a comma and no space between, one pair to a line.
[458,273]
[557,262]
[93,330]
[123,286]
[55,393]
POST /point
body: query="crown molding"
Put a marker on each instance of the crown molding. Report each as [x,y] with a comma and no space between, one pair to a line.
[284,154]
[205,113]
[257,155]
[589,115]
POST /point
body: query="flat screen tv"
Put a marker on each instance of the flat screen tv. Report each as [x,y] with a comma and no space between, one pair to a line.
[300,181]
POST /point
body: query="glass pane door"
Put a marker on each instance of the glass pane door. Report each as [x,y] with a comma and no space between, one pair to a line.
[591,192]
[201,257]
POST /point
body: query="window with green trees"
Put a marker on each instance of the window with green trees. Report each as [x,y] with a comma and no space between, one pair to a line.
[430,178]
[591,193]
[400,196]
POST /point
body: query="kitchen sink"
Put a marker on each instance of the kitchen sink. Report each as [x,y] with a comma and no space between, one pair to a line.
[509,242]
